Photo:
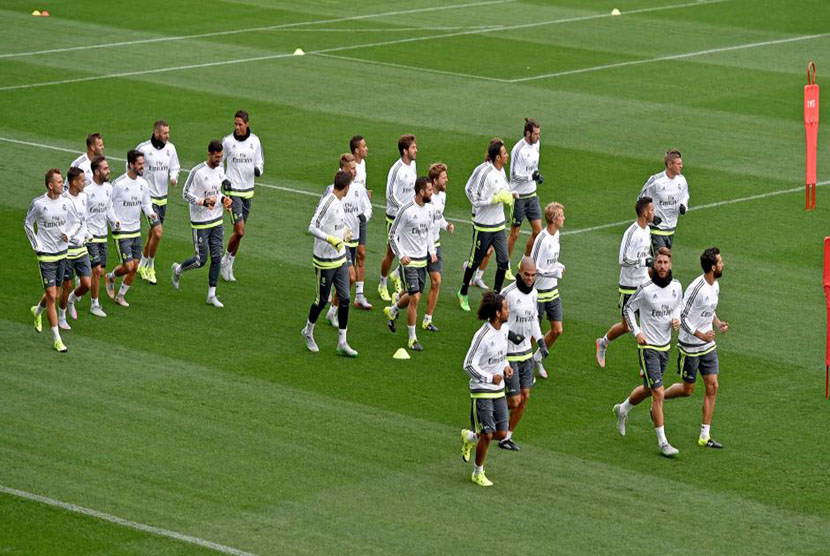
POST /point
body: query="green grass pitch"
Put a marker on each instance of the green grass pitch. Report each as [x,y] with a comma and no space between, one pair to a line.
[218,425]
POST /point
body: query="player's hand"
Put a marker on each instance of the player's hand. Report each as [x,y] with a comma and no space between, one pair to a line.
[335,242]
[433,258]
[656,220]
[405,260]
[682,209]
[451,228]
[348,234]
[508,371]
[707,336]
[208,202]
[226,184]
[154,217]
[65,238]
[496,379]
[369,193]
[174,182]
[537,177]
[257,173]
[648,262]
[227,202]
[641,339]
[723,327]
[543,349]
[675,324]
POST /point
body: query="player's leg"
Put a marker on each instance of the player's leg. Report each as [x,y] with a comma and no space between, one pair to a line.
[486,427]
[83,269]
[360,300]
[215,241]
[502,259]
[240,210]
[616,330]
[435,271]
[133,246]
[63,296]
[147,265]
[323,279]
[709,371]
[534,215]
[687,367]
[341,285]
[199,258]
[386,265]
[416,280]
[477,252]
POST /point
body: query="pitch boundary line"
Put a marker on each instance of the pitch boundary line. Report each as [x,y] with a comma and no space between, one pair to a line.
[452,219]
[349,47]
[74,508]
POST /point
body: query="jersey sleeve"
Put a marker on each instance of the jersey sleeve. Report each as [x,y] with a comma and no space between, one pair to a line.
[471,360]
[315,226]
[189,189]
[629,310]
[29,226]
[259,158]
[175,165]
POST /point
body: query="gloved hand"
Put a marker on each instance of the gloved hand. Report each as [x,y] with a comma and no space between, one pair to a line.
[649,262]
[226,185]
[657,220]
[682,209]
[503,196]
[537,177]
[515,338]
[543,349]
[257,173]
[335,242]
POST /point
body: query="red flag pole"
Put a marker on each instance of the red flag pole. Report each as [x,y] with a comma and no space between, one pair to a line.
[811,130]
[827,303]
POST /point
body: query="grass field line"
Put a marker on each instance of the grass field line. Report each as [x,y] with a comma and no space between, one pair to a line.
[253,29]
[452,219]
[124,522]
[670,57]
[413,68]
[267,57]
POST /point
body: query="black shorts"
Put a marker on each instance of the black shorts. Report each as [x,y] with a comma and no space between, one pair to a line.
[527,207]
[688,364]
[351,254]
[488,415]
[240,208]
[98,251]
[653,364]
[659,240]
[552,309]
[414,279]
[625,295]
[483,240]
[438,265]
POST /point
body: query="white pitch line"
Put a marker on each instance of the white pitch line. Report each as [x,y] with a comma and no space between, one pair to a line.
[124,522]
[459,220]
[671,57]
[349,47]
[412,68]
[250,30]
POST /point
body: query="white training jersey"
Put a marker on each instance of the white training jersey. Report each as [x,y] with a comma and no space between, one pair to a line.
[523,319]
[699,305]
[486,358]
[485,182]
[657,307]
[439,204]
[352,209]
[411,233]
[99,209]
[329,220]
[400,186]
[545,253]
[524,160]
[51,217]
[360,179]
[667,195]
[202,183]
[129,198]
[160,167]
[83,163]
[76,227]
[241,158]
[635,248]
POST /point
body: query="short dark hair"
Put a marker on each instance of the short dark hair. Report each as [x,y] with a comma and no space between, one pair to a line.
[158,124]
[642,204]
[671,154]
[354,143]
[421,185]
[215,146]
[49,173]
[491,303]
[242,115]
[133,155]
[404,142]
[92,138]
[494,149]
[96,162]
[342,180]
[530,125]
[73,173]
[709,258]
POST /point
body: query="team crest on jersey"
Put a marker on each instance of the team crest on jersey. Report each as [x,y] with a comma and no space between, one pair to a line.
[673,293]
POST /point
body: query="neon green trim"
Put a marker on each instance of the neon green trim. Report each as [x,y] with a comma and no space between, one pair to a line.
[657,232]
[548,296]
[98,240]
[76,252]
[241,194]
[416,264]
[487,395]
[528,195]
[207,225]
[160,201]
[523,357]
[131,235]
[323,265]
[698,353]
[354,243]
[51,258]
[626,291]
[655,348]
[480,228]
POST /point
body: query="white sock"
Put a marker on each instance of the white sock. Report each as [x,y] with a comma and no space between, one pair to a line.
[111,276]
[143,262]
[61,314]
[40,309]
[394,310]
[212,291]
[704,431]
[56,333]
[472,437]
[177,270]
[478,275]
[123,290]
[537,356]
[341,339]
[94,301]
[464,266]
[384,280]
[427,319]
[626,406]
[411,332]
[151,262]
[477,469]
[309,327]
[358,289]
[332,310]
[230,259]
[508,436]
[661,436]
[604,341]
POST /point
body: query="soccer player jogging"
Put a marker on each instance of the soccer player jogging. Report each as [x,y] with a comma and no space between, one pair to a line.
[99,212]
[412,240]
[94,147]
[130,196]
[328,226]
[545,254]
[487,366]
[203,192]
[635,260]
[49,213]
[658,301]
[524,177]
[524,306]
[670,194]
[358,147]
[488,190]
[437,175]
[77,256]
[696,341]
[400,185]
[245,161]
[161,167]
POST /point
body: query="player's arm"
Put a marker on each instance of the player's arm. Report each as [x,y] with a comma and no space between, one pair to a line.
[646,189]
[29,226]
[189,190]
[688,305]
[175,167]
[721,325]
[315,227]
[393,232]
[471,362]
[628,251]
[536,332]
[684,199]
[675,315]
[259,160]
[74,235]
[629,311]
[147,204]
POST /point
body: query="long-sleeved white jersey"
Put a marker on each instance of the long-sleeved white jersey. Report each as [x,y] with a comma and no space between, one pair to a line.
[484,182]
[486,358]
[83,163]
[76,226]
[524,160]
[352,209]
[635,248]
[658,307]
[545,253]
[439,204]
[667,194]
[129,198]
[400,186]
[204,182]
[51,217]
[161,165]
[329,220]
[699,305]
[99,210]
[241,158]
[523,319]
[360,179]
[411,233]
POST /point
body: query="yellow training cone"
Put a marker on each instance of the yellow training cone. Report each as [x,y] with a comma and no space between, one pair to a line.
[36,13]
[615,11]
[299,52]
[401,354]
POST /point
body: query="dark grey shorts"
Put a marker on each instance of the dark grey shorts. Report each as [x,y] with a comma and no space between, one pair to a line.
[488,415]
[438,265]
[652,366]
[551,309]
[51,273]
[161,212]
[482,241]
[529,208]
[128,248]
[414,279]
[80,266]
[351,254]
[522,378]
[364,226]
[328,277]
[658,241]
[688,365]
[240,209]
[97,253]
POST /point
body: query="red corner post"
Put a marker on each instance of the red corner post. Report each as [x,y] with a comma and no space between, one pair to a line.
[827,303]
[811,128]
